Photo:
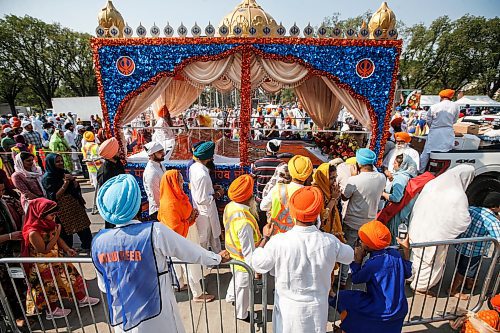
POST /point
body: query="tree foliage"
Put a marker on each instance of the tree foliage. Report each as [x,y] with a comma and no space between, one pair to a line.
[47,57]
[463,54]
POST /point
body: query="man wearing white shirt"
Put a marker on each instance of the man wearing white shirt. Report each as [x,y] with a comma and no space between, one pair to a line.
[303,260]
[153,172]
[440,119]
[70,136]
[204,195]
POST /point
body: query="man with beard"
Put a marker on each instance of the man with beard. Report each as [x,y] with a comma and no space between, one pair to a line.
[403,140]
[152,176]
[242,236]
[204,196]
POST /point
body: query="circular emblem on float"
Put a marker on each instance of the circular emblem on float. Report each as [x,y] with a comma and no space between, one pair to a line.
[365,68]
[125,66]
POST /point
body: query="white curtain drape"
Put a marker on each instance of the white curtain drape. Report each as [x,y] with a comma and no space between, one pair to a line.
[289,75]
[257,73]
[357,108]
[203,73]
[270,86]
[141,102]
[223,84]
[319,102]
[177,97]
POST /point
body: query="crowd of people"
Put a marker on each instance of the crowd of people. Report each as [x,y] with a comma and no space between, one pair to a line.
[42,205]
[317,230]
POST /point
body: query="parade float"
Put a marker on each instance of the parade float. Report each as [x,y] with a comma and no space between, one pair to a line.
[327,67]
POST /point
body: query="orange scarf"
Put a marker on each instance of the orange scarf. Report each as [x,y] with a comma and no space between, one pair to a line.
[175,207]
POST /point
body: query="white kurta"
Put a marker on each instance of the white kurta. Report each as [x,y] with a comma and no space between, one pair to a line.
[441,137]
[440,213]
[303,260]
[166,244]
[152,178]
[202,192]
[70,137]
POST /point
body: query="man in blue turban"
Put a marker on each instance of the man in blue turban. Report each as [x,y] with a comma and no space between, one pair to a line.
[132,260]
[204,196]
[363,192]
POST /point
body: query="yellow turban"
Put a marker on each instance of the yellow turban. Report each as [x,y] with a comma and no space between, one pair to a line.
[300,167]
[89,136]
[351,161]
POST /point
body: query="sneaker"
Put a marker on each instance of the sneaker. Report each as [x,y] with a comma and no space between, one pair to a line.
[58,313]
[88,300]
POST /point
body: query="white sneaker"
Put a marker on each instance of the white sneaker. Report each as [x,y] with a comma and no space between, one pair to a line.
[88,300]
[57,313]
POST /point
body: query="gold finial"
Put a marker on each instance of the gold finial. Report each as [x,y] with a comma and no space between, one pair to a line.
[384,18]
[363,25]
[108,17]
[249,14]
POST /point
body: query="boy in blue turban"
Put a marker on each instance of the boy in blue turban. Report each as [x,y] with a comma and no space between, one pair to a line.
[132,262]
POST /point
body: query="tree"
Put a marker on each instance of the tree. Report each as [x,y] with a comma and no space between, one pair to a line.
[28,45]
[462,55]
[424,57]
[11,85]
[77,70]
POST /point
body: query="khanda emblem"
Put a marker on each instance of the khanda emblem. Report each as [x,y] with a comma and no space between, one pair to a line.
[365,68]
[125,66]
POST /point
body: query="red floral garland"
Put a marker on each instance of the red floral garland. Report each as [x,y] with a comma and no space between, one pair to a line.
[246,47]
[246,104]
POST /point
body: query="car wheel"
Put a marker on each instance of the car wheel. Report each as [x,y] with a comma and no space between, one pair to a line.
[480,187]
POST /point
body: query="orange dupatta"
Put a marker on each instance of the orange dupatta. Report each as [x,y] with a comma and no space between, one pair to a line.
[175,208]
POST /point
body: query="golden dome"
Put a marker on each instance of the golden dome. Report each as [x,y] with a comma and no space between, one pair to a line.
[248,13]
[109,16]
[384,18]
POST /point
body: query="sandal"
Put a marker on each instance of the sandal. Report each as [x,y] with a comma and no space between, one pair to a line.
[204,298]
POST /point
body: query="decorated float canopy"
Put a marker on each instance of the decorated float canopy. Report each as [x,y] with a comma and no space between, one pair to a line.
[327,67]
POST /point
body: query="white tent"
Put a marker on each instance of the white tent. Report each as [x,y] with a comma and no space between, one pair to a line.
[428,100]
[477,101]
[83,107]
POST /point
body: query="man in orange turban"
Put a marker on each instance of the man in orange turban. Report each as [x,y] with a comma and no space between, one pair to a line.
[378,309]
[242,235]
[447,94]
[440,119]
[302,259]
[111,167]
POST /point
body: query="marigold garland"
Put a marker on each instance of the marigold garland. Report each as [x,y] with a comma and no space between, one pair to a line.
[380,122]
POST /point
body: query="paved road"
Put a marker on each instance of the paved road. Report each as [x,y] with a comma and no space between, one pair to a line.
[219,315]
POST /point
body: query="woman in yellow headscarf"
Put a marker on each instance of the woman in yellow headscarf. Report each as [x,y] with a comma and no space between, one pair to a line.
[325,179]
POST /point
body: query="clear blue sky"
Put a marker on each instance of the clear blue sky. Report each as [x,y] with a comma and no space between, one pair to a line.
[81,15]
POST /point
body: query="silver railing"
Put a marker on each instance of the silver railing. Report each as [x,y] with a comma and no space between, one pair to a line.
[202,317]
[423,308]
